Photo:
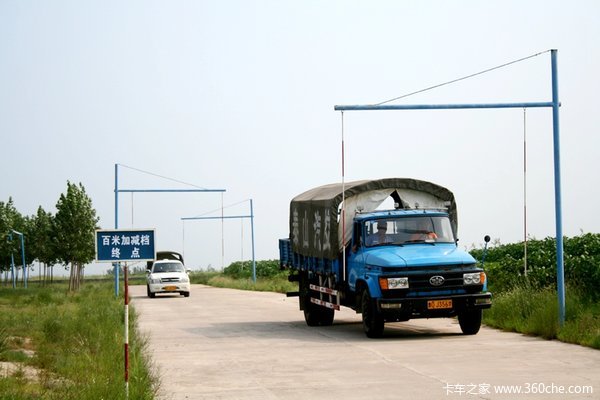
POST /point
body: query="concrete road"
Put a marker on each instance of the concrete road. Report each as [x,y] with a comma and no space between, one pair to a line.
[228,344]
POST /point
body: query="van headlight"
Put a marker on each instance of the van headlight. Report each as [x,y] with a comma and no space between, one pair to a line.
[474,278]
[154,280]
[185,279]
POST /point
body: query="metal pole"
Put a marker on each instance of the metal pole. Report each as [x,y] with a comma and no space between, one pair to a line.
[252,228]
[343,207]
[183,238]
[12,263]
[369,107]
[525,190]
[23,258]
[126,340]
[560,272]
[116,265]
[222,236]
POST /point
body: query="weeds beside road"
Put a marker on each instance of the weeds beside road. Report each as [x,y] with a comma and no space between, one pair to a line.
[60,345]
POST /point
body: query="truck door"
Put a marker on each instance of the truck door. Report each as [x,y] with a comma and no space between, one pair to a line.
[355,264]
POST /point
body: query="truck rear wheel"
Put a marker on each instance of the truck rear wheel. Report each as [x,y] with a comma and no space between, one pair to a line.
[373,322]
[315,315]
[470,321]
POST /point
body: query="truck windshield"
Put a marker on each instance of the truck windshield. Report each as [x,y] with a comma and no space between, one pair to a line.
[406,230]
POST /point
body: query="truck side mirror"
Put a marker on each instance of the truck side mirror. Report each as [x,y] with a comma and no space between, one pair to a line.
[486,239]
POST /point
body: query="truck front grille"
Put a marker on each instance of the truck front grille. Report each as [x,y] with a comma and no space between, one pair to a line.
[420,284]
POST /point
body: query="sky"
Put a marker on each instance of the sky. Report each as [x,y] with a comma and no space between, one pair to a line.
[240,95]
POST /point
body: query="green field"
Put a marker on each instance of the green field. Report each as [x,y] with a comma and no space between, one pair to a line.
[60,345]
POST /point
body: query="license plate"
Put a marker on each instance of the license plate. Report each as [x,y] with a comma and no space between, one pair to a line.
[170,288]
[439,304]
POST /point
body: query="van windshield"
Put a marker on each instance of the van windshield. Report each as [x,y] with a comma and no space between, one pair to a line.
[407,230]
[167,267]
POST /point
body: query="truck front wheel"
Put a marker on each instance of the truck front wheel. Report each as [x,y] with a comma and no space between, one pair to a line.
[373,322]
[470,321]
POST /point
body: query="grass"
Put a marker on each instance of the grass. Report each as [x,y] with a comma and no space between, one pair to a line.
[535,311]
[76,341]
[277,283]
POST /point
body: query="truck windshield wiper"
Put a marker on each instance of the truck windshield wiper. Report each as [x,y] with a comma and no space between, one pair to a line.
[420,241]
[387,244]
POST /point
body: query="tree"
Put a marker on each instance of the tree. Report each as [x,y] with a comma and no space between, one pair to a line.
[74,225]
[40,240]
[10,219]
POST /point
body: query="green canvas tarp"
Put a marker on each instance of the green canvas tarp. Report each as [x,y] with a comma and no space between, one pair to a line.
[315,215]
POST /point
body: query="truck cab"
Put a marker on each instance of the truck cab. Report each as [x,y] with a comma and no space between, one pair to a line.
[409,265]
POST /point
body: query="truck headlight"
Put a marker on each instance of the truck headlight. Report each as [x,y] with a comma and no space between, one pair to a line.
[474,278]
[393,283]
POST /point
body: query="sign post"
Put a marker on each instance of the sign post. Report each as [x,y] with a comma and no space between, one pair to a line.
[116,246]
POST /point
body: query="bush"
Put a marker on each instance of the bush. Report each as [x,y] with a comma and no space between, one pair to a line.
[243,269]
[505,264]
[534,311]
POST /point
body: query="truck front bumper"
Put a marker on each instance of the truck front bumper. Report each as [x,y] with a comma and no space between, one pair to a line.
[431,307]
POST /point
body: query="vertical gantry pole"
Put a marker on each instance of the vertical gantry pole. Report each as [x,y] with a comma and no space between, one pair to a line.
[23,258]
[252,229]
[12,264]
[343,206]
[116,265]
[560,272]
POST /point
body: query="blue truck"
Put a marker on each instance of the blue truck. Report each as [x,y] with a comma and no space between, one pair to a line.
[387,264]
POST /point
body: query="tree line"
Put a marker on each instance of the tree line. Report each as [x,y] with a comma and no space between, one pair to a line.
[65,237]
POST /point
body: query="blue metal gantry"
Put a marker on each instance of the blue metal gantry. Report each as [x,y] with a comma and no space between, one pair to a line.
[555,105]
[251,216]
[117,191]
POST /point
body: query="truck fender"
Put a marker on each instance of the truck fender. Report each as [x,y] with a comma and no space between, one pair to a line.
[372,284]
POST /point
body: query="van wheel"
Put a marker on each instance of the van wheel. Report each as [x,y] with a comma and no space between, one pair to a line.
[373,322]
[149,293]
[470,321]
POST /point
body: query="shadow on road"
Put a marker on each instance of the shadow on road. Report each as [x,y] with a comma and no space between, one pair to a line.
[346,330]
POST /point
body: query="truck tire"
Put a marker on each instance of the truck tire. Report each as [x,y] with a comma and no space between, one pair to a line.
[372,320]
[470,321]
[315,315]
